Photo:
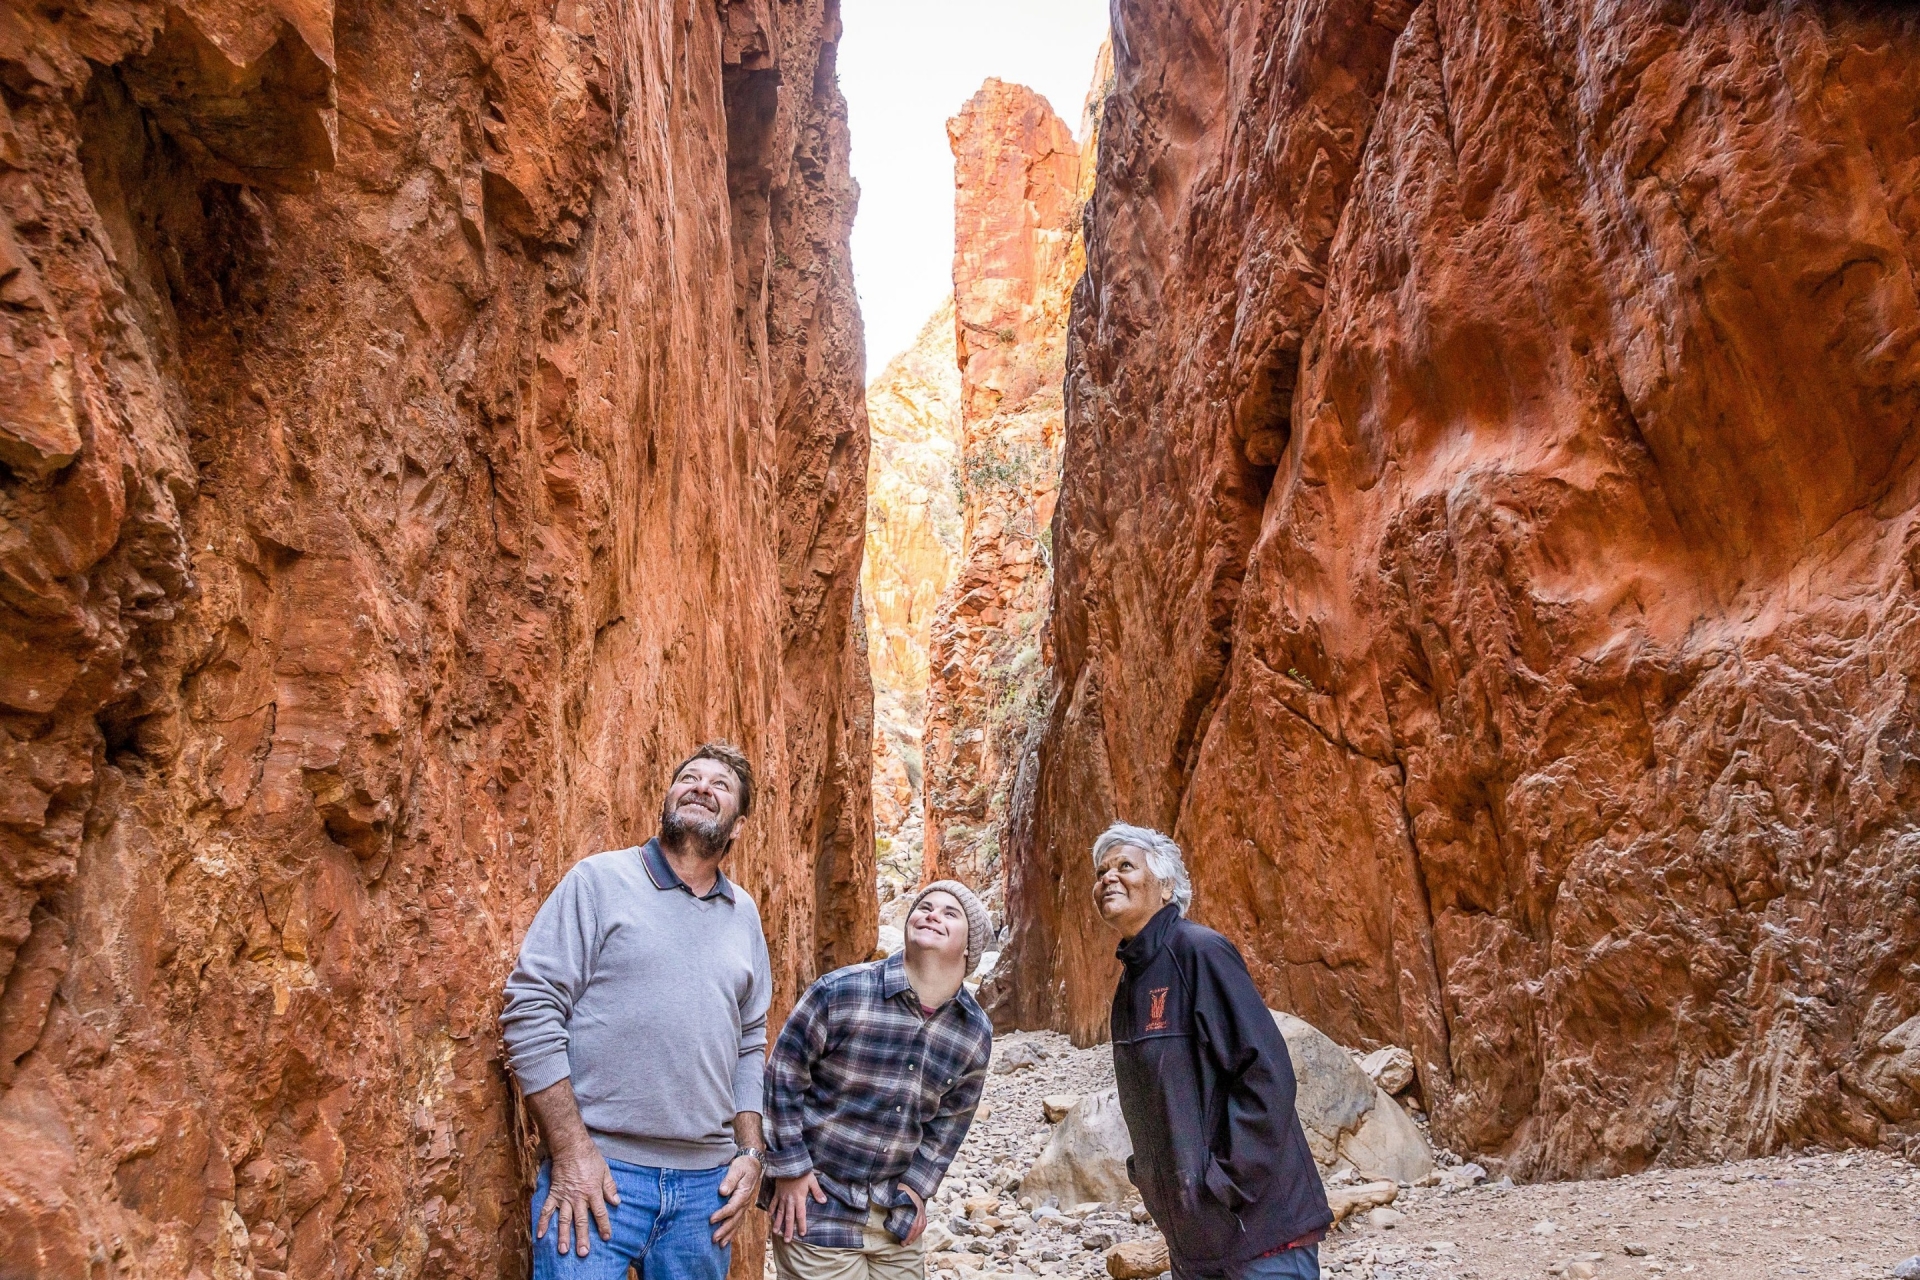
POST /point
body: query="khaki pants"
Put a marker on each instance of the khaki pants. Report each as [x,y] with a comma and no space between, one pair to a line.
[879,1257]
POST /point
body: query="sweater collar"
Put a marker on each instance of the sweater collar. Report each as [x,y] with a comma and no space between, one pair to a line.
[661,872]
[1137,951]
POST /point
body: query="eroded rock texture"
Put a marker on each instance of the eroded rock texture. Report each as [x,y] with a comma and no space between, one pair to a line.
[913,546]
[1488,542]
[419,424]
[1016,255]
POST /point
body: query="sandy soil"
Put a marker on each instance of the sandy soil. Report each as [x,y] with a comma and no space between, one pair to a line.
[1845,1216]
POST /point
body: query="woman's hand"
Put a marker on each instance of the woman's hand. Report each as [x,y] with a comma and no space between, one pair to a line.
[790,1196]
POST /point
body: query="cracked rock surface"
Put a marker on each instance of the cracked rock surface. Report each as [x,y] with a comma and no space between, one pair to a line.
[1487,543]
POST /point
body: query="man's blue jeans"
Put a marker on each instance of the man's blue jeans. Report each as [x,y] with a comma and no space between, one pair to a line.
[660,1227]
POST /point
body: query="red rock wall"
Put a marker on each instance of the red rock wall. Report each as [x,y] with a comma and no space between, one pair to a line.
[420,424]
[1487,542]
[1016,255]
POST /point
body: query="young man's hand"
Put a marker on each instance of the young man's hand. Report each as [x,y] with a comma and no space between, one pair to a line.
[919,1215]
[790,1196]
[740,1185]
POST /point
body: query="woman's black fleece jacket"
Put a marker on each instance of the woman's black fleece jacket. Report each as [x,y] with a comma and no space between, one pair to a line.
[1207,1089]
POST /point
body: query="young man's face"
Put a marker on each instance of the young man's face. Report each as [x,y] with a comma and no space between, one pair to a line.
[704,801]
[938,927]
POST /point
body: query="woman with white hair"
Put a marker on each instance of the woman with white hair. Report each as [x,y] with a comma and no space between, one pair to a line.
[1205,1082]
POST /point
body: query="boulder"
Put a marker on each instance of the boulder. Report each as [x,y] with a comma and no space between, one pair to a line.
[1391,1068]
[1138,1259]
[1086,1158]
[1056,1105]
[1349,1121]
[1388,1144]
[1347,1117]
[1333,1092]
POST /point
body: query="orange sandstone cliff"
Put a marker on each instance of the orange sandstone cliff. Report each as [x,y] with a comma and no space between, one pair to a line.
[1016,256]
[419,425]
[1488,542]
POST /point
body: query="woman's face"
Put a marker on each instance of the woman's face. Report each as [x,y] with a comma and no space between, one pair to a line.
[1125,893]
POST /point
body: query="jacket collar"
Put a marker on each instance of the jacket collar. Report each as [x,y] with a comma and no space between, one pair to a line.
[661,872]
[1142,947]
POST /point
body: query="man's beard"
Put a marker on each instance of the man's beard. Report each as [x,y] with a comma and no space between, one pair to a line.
[705,836]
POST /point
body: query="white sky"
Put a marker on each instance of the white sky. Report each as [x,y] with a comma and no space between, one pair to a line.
[905,66]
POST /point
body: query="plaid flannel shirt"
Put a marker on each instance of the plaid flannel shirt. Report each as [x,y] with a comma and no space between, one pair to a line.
[871,1096]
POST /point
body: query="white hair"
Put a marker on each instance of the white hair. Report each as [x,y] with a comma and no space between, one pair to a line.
[1162,855]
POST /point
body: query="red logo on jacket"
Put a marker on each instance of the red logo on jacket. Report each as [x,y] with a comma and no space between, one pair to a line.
[1157,1009]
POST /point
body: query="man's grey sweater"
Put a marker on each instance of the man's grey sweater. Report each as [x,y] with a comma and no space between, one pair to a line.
[652,1000]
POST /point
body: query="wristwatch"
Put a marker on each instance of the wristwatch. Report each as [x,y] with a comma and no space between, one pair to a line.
[759,1154]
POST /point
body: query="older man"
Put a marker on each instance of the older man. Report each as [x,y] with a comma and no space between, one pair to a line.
[1205,1083]
[636,1023]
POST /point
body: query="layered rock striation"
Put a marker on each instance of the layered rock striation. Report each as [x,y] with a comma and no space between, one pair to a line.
[419,425]
[1016,256]
[1487,544]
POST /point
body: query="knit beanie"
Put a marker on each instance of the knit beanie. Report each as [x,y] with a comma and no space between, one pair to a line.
[979,925]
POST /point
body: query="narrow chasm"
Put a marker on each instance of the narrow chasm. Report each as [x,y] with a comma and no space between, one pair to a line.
[962,488]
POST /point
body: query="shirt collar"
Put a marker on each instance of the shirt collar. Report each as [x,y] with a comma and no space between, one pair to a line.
[661,872]
[893,981]
[893,975]
[1143,946]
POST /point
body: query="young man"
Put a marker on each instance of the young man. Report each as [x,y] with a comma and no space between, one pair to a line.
[870,1090]
[635,1022]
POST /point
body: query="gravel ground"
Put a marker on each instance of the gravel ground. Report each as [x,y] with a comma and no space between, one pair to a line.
[1842,1216]
[1001,1146]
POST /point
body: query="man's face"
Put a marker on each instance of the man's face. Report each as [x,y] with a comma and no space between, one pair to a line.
[1124,892]
[704,802]
[938,927]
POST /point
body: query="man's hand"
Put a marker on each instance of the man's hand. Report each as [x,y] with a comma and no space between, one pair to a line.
[580,1185]
[790,1204]
[919,1215]
[739,1187]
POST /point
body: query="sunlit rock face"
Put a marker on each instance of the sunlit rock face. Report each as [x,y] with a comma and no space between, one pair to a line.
[1486,542]
[913,545]
[1016,256]
[419,426]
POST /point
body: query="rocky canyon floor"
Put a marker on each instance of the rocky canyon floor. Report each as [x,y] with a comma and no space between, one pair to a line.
[1844,1214]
